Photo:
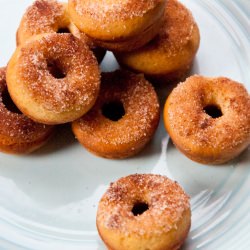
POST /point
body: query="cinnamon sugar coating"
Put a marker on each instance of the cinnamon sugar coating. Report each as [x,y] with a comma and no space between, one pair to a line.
[128,135]
[198,135]
[50,16]
[18,133]
[168,205]
[62,100]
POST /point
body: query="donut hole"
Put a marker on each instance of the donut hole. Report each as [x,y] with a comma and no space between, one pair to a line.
[8,103]
[63,30]
[55,69]
[139,208]
[114,111]
[213,110]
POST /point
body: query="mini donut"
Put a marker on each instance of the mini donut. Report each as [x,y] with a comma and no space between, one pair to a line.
[123,119]
[144,211]
[53,78]
[50,16]
[208,119]
[118,25]
[169,57]
[18,134]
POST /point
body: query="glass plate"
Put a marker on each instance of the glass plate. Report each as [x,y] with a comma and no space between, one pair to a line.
[48,199]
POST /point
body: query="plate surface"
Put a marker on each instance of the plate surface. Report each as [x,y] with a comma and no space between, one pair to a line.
[48,200]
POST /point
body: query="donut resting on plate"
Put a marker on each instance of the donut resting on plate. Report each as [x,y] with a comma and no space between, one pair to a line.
[208,119]
[123,119]
[144,211]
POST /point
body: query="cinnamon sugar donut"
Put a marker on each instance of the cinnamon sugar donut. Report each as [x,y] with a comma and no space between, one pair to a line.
[121,25]
[124,118]
[172,52]
[208,119]
[50,16]
[144,211]
[18,134]
[53,78]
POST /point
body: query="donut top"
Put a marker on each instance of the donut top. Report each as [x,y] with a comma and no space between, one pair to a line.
[75,60]
[14,125]
[191,123]
[166,201]
[48,16]
[177,28]
[114,9]
[42,16]
[140,103]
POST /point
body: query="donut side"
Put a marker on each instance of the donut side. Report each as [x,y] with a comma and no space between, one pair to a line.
[132,43]
[19,134]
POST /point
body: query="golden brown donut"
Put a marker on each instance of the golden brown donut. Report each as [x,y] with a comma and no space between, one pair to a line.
[50,16]
[53,78]
[118,24]
[208,119]
[18,134]
[124,118]
[144,211]
[170,55]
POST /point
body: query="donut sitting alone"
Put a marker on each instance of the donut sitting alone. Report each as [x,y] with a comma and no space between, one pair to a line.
[208,119]
[18,134]
[118,25]
[144,211]
[50,16]
[53,78]
[169,56]
[123,119]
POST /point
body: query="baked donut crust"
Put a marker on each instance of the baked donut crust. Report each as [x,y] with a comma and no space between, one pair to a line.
[114,23]
[195,133]
[47,98]
[172,52]
[50,16]
[163,226]
[128,135]
[18,133]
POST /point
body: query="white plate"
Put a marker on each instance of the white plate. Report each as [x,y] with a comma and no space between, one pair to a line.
[48,200]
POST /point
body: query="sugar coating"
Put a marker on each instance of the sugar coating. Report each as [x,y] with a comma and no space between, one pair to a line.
[17,127]
[141,110]
[43,16]
[81,84]
[166,200]
[114,9]
[192,125]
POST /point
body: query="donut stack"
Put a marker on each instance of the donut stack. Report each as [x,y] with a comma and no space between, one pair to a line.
[53,77]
